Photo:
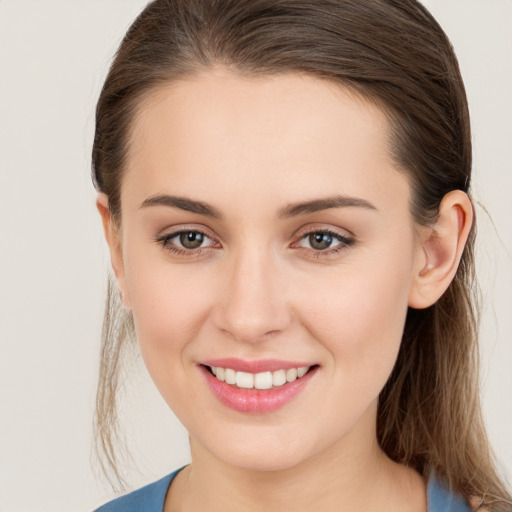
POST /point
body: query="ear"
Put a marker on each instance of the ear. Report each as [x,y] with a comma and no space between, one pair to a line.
[440,249]
[114,245]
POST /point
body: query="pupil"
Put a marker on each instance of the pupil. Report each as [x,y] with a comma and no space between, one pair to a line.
[320,240]
[191,239]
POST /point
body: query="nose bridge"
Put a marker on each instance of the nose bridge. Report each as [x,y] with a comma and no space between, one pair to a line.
[253,305]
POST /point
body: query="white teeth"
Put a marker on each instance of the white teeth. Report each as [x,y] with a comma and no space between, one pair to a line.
[263,380]
[245,380]
[279,378]
[291,374]
[230,376]
[302,371]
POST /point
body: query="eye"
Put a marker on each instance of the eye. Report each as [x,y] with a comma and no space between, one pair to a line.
[185,241]
[191,239]
[324,241]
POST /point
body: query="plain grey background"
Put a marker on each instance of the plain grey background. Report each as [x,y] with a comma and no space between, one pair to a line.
[53,261]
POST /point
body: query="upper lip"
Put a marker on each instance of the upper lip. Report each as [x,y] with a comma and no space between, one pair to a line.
[262,365]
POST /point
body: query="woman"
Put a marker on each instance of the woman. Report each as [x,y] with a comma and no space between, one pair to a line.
[284,188]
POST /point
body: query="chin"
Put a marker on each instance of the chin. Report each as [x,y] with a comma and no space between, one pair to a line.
[265,452]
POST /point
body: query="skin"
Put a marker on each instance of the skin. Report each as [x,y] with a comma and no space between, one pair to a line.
[257,289]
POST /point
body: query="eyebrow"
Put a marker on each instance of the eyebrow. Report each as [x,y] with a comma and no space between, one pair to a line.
[182,203]
[318,205]
[292,210]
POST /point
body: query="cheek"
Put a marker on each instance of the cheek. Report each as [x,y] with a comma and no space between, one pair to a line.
[360,319]
[169,306]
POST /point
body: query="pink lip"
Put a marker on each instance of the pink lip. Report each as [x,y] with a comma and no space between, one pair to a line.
[256,401]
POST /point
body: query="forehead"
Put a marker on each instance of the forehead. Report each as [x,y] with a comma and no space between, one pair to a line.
[219,131]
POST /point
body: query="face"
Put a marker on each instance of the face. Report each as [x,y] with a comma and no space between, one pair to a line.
[265,229]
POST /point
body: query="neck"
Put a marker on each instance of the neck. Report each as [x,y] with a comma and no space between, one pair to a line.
[352,475]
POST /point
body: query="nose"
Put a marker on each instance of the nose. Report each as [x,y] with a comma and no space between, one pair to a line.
[253,304]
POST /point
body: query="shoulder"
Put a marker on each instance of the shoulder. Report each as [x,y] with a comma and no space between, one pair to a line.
[149,498]
[441,499]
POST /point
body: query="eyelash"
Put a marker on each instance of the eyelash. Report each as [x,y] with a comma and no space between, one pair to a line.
[165,242]
[344,243]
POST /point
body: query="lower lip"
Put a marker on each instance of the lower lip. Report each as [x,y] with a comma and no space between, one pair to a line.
[256,401]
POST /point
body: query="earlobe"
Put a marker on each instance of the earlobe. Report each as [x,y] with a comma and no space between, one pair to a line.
[441,248]
[114,245]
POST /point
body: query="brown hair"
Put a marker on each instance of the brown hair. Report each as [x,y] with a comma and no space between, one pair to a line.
[395,54]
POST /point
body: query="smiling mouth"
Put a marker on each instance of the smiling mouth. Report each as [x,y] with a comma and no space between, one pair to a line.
[269,386]
[261,380]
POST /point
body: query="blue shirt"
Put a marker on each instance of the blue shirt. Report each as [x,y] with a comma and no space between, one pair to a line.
[151,498]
